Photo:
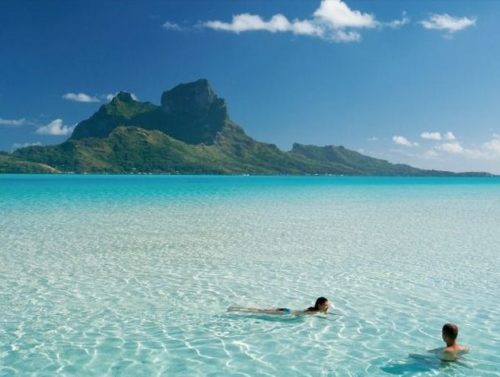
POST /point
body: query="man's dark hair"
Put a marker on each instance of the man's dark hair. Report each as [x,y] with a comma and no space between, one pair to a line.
[450,330]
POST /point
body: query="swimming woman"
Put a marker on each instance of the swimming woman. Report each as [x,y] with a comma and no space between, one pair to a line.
[321,306]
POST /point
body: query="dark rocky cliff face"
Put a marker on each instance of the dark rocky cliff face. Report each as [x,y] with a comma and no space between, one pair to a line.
[194,113]
[196,96]
[189,112]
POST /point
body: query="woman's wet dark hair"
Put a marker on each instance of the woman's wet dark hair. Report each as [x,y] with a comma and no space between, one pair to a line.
[319,301]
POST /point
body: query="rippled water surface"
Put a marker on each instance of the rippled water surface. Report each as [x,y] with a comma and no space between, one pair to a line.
[132,275]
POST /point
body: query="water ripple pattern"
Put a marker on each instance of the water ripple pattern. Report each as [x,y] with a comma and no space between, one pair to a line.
[132,275]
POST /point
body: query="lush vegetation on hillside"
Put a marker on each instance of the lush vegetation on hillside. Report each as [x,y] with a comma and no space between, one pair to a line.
[12,164]
[190,133]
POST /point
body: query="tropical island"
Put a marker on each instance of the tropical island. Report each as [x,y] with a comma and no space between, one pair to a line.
[190,132]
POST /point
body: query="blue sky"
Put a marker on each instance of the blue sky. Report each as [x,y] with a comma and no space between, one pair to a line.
[408,81]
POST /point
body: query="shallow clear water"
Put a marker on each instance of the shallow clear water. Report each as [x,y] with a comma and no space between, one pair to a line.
[132,275]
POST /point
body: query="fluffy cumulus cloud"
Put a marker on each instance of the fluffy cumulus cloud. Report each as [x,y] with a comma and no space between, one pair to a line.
[333,20]
[277,23]
[492,147]
[401,140]
[430,154]
[338,15]
[449,136]
[450,153]
[450,146]
[80,97]
[437,136]
[13,122]
[449,24]
[454,147]
[55,128]
[431,135]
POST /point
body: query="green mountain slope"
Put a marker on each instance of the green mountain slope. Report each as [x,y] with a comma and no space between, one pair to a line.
[12,164]
[189,133]
[191,113]
[120,111]
[132,149]
[364,165]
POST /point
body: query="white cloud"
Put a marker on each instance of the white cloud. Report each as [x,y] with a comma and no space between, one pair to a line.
[492,147]
[401,140]
[397,24]
[23,145]
[345,36]
[447,23]
[13,122]
[171,26]
[249,22]
[80,97]
[55,128]
[306,27]
[333,20]
[489,150]
[431,135]
[277,23]
[430,154]
[109,97]
[453,147]
[339,16]
[458,156]
[449,136]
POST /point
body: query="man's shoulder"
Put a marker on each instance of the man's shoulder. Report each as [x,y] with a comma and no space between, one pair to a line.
[463,349]
[451,353]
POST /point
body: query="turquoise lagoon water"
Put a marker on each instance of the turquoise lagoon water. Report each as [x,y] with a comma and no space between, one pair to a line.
[132,275]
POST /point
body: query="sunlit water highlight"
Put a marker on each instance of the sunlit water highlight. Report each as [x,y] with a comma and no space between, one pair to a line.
[132,275]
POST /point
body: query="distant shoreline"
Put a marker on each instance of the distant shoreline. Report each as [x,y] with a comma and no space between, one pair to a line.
[453,175]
